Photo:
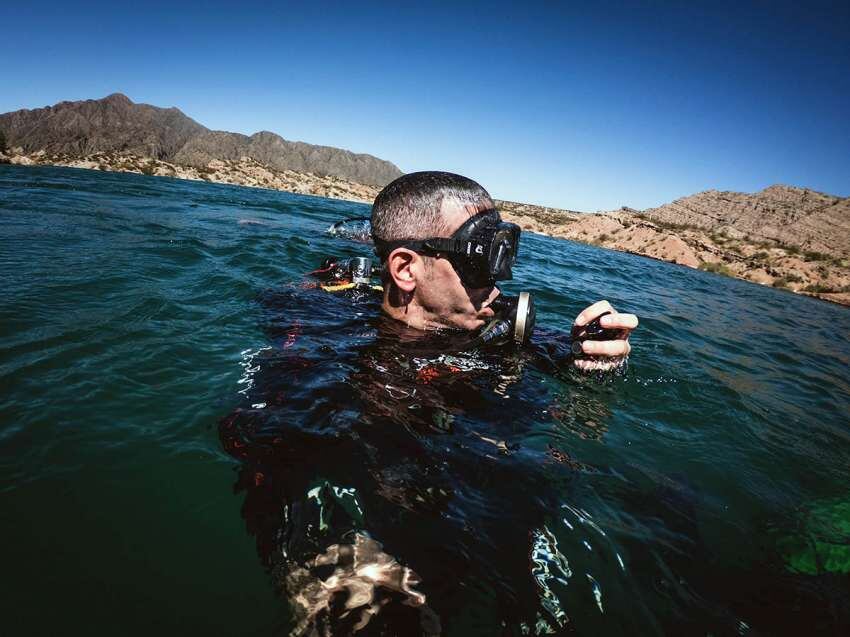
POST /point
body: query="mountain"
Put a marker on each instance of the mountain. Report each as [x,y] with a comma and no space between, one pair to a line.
[786,214]
[117,124]
[792,238]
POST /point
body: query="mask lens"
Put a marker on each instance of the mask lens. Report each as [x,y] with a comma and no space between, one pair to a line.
[489,250]
[503,251]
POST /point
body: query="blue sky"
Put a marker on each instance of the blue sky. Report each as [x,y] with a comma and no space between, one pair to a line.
[554,103]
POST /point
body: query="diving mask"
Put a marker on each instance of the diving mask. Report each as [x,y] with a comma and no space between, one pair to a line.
[482,251]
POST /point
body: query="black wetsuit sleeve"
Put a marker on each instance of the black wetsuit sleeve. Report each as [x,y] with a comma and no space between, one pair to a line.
[549,351]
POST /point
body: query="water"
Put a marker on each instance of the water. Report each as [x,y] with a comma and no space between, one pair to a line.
[690,495]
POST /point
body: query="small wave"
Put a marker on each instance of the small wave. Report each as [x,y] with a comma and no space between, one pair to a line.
[354,229]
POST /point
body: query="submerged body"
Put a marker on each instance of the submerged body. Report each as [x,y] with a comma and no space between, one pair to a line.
[434,466]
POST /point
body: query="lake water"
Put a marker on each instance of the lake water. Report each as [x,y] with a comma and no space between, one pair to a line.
[703,492]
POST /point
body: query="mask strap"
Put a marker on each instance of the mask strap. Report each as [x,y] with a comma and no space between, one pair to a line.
[437,244]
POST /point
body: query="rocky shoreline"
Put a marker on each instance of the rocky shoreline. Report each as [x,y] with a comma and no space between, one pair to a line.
[721,248]
[245,172]
[727,252]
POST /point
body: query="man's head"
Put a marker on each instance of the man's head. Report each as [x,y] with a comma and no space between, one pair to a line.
[424,289]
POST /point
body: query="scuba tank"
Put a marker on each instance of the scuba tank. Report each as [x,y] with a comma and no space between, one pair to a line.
[339,274]
[361,270]
[338,269]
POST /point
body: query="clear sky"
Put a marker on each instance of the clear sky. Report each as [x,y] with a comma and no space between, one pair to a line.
[553,103]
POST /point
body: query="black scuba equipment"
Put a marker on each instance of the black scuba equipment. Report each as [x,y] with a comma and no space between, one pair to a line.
[592,331]
[361,270]
[338,275]
[482,251]
[515,317]
[354,269]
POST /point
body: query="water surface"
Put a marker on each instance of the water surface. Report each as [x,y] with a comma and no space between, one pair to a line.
[709,482]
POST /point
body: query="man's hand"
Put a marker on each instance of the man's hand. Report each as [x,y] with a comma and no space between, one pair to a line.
[607,354]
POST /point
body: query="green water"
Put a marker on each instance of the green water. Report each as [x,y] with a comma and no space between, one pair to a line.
[127,321]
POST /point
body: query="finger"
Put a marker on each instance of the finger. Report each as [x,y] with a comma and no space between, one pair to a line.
[590,313]
[598,364]
[619,321]
[606,348]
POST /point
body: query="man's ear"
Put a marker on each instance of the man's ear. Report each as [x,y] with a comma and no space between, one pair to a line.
[403,266]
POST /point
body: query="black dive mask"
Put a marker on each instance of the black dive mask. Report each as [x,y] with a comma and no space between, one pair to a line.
[482,251]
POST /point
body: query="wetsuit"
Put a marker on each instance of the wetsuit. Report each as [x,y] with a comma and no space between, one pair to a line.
[374,456]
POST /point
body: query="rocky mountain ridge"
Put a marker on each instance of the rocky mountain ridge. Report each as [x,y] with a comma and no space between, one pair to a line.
[115,124]
[789,215]
[786,237]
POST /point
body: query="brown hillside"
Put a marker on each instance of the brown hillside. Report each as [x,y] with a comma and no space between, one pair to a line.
[115,124]
[788,215]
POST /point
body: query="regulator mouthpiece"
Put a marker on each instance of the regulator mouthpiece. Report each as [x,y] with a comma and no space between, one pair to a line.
[519,314]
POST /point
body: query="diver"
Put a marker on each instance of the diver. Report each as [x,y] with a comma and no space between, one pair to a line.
[379,442]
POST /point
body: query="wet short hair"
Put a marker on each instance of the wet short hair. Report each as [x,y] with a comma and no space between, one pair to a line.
[409,207]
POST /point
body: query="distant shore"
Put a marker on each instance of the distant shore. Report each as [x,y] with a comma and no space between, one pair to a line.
[817,274]
[246,172]
[733,254]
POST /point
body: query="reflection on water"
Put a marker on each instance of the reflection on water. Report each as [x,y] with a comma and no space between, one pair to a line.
[548,566]
[580,413]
